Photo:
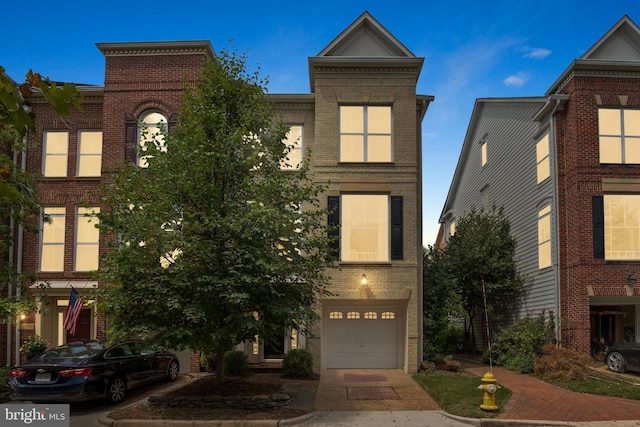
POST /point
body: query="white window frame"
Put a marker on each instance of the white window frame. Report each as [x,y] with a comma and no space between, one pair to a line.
[147,132]
[544,237]
[55,154]
[87,239]
[362,215]
[622,227]
[89,162]
[543,168]
[294,140]
[483,153]
[367,134]
[52,236]
[619,137]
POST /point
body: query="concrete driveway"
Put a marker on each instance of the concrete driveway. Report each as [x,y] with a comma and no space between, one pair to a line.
[371,390]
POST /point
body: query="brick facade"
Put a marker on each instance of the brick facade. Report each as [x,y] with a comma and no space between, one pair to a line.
[580,177]
[152,76]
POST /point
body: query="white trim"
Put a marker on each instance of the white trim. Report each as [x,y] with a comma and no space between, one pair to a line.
[62,284]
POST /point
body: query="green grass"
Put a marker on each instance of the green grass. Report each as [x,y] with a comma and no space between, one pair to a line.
[459,394]
[604,384]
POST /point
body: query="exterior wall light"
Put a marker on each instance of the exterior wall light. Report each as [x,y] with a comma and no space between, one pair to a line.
[363,279]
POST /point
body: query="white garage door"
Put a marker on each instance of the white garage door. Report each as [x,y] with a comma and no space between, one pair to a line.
[362,339]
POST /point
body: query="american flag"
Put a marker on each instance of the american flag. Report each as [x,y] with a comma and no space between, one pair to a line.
[72,312]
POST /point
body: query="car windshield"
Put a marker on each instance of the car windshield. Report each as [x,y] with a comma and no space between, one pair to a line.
[73,351]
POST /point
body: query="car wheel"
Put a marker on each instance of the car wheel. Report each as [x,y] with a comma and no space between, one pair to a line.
[116,390]
[173,371]
[615,362]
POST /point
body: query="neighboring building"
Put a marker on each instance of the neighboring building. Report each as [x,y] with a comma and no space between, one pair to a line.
[565,168]
[362,121]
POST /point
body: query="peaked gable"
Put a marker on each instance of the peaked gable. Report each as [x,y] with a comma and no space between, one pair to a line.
[366,37]
[618,50]
[620,43]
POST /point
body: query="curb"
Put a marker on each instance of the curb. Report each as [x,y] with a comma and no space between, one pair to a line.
[488,422]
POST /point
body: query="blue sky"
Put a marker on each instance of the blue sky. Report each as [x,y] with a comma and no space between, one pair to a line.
[472,49]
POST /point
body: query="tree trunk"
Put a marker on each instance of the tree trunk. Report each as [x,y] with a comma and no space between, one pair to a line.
[220,367]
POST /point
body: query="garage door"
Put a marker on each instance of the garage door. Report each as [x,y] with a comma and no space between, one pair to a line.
[362,339]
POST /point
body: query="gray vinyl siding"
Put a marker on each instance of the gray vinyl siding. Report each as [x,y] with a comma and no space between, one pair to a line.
[510,179]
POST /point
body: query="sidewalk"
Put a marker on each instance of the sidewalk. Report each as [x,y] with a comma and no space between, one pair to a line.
[533,399]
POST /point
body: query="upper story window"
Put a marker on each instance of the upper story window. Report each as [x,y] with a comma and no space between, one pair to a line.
[370,227]
[152,127]
[622,226]
[452,228]
[619,131]
[294,141]
[56,150]
[89,153]
[365,133]
[544,237]
[542,158]
[87,239]
[483,153]
[52,239]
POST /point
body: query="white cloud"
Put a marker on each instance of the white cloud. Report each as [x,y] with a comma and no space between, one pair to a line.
[518,79]
[537,53]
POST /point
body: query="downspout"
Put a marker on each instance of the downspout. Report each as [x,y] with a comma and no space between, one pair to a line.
[552,126]
[12,227]
[19,263]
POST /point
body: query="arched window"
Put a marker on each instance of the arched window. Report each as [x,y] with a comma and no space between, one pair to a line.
[152,127]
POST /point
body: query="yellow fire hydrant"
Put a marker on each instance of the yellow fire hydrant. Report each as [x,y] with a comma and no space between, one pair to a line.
[489,387]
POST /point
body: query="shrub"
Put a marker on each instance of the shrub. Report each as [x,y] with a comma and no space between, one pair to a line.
[450,364]
[34,346]
[298,363]
[562,364]
[428,367]
[5,376]
[516,346]
[236,363]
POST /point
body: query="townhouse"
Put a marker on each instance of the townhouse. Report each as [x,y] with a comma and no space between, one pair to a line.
[362,123]
[564,165]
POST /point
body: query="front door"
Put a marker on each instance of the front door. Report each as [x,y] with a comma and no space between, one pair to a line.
[83,326]
[274,347]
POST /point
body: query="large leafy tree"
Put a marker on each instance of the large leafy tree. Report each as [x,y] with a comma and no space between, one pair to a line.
[441,304]
[19,205]
[215,243]
[482,251]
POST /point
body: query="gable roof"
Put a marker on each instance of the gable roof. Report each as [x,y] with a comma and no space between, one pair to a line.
[365,37]
[365,43]
[617,50]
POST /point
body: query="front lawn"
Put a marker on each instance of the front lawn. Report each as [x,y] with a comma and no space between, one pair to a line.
[458,393]
[604,384]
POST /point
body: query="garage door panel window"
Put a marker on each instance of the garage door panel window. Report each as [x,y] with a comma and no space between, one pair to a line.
[335,315]
[353,315]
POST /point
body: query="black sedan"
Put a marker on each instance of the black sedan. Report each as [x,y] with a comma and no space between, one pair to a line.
[623,357]
[90,370]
